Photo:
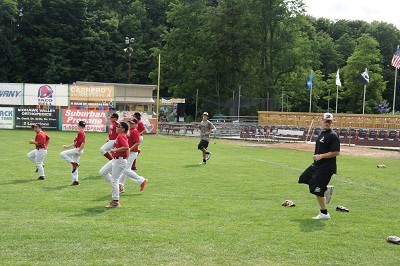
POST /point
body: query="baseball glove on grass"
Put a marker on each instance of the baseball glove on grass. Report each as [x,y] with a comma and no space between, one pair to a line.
[288,203]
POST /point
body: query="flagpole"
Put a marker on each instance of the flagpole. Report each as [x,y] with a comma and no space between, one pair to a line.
[158,91]
[395,80]
[309,110]
[365,89]
[394,91]
[337,93]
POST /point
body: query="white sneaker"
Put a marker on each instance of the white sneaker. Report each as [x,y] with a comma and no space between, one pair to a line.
[208,155]
[328,194]
[322,216]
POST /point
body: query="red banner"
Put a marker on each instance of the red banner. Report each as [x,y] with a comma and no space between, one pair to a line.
[96,120]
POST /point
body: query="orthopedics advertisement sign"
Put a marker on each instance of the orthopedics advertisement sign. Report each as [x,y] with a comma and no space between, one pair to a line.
[6,117]
[11,93]
[46,94]
[26,116]
[92,96]
[96,120]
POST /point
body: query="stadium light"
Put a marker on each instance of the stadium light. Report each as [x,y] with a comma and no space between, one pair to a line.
[129,50]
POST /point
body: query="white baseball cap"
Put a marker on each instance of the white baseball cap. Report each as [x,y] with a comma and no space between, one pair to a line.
[327,116]
[205,113]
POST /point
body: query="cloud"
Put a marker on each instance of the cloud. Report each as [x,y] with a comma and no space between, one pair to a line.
[367,10]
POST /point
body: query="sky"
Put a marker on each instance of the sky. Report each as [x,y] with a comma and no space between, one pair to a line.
[367,10]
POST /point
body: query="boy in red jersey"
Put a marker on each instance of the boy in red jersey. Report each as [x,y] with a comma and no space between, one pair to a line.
[116,166]
[112,135]
[142,130]
[133,141]
[73,155]
[39,153]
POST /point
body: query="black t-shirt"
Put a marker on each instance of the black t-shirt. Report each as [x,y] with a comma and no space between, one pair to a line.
[327,141]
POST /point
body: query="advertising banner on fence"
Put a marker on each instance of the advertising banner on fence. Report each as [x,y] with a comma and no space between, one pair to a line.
[92,95]
[6,117]
[96,120]
[46,94]
[148,122]
[11,93]
[26,116]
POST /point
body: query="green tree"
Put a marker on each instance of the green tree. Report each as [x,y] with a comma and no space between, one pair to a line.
[365,55]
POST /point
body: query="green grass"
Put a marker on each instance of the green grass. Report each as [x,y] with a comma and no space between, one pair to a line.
[227,212]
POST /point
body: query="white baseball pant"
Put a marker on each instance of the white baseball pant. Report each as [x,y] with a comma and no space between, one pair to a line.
[107,146]
[37,157]
[116,168]
[128,172]
[71,156]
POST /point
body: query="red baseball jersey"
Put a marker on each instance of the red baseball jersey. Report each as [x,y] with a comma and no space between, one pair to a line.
[121,141]
[112,131]
[140,127]
[41,139]
[133,137]
[80,138]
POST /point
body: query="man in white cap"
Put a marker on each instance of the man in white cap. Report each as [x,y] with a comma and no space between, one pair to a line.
[319,173]
[206,129]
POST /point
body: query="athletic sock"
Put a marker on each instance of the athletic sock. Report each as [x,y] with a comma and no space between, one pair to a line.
[204,160]
[324,211]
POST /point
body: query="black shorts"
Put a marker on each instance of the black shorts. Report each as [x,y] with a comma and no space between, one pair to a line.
[203,144]
[316,179]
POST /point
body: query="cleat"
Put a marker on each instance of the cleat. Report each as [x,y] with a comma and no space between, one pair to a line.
[75,183]
[121,188]
[113,204]
[202,163]
[342,209]
[328,194]
[142,186]
[74,166]
[208,155]
[41,178]
[322,216]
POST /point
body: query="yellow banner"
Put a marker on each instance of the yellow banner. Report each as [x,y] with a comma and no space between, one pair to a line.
[92,94]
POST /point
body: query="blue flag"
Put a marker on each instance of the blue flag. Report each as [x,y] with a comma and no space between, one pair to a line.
[309,82]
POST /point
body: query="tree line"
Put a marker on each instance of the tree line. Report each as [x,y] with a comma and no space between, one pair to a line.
[209,48]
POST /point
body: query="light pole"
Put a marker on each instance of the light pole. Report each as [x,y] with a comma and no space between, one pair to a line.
[129,49]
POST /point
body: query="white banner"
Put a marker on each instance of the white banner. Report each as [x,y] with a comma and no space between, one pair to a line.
[11,93]
[46,94]
[6,117]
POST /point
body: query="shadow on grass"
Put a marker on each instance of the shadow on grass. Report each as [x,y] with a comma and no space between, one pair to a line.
[20,181]
[310,225]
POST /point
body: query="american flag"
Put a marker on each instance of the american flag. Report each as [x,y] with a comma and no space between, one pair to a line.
[396,59]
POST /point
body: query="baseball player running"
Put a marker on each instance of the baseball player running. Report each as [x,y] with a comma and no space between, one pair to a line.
[38,155]
[112,135]
[113,170]
[133,141]
[142,130]
[206,129]
[73,155]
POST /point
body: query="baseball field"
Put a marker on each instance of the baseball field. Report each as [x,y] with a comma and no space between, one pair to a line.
[227,212]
